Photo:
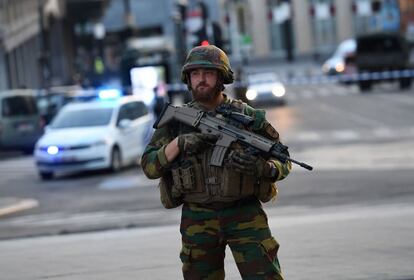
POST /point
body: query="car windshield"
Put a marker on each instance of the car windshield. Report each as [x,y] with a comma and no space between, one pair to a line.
[345,47]
[82,118]
[262,78]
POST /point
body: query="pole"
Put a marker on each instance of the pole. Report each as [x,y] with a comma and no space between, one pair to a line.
[43,58]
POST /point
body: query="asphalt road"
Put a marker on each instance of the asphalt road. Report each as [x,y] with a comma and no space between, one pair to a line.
[354,242]
[360,145]
[350,218]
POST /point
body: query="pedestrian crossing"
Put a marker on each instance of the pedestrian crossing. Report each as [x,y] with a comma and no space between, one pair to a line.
[358,156]
[349,135]
[312,91]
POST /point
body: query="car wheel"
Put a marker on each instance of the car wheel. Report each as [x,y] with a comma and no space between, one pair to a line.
[46,175]
[405,83]
[28,151]
[364,86]
[116,160]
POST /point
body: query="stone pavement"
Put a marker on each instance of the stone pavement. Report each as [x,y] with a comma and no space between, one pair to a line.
[349,242]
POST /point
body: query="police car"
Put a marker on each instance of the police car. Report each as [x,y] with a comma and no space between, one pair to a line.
[98,134]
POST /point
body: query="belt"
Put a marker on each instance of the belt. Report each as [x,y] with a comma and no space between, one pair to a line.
[221,205]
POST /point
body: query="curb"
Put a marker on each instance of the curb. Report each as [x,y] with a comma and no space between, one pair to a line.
[10,206]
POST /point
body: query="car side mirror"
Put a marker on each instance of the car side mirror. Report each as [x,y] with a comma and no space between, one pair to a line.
[124,123]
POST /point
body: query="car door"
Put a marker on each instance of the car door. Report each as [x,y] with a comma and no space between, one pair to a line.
[142,122]
[126,131]
[135,128]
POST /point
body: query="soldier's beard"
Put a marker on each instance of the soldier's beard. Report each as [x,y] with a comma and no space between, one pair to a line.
[204,94]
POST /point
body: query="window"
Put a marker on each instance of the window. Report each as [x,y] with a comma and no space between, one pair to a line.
[83,118]
[132,111]
[19,106]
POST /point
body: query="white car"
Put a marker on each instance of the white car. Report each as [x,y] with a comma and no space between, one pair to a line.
[336,64]
[94,135]
[265,88]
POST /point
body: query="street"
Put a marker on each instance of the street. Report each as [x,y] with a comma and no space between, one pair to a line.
[367,137]
[362,150]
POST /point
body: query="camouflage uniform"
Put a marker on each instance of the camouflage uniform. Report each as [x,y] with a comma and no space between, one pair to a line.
[207,228]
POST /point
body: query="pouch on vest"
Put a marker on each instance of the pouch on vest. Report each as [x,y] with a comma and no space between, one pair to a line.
[234,184]
[187,177]
[168,198]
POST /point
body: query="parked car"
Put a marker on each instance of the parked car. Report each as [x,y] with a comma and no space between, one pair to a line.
[265,88]
[93,135]
[337,63]
[378,54]
[21,124]
[51,101]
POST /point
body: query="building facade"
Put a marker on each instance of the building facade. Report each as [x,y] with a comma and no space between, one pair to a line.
[55,42]
[311,28]
[19,29]
[32,44]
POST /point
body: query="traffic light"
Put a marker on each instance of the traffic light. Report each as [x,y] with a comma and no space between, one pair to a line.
[201,36]
[214,37]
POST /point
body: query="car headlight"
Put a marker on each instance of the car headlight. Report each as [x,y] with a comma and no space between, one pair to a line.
[340,67]
[278,90]
[52,150]
[251,94]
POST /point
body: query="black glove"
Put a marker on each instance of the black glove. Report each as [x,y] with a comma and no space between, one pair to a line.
[194,143]
[251,165]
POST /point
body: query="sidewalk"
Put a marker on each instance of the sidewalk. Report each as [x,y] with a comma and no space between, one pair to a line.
[373,242]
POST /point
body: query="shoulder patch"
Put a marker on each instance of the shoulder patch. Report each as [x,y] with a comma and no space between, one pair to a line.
[271,131]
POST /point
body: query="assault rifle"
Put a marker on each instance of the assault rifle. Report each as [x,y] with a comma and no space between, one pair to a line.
[226,133]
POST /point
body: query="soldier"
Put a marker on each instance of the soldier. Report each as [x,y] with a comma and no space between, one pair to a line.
[221,205]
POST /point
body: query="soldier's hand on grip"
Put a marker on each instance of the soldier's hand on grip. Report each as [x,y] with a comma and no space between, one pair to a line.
[250,164]
[194,143]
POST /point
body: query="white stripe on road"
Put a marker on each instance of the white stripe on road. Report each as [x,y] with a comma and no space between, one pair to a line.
[378,156]
[383,132]
[343,114]
[338,214]
[345,135]
[125,182]
[308,136]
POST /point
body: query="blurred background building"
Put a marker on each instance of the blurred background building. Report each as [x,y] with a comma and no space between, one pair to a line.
[45,43]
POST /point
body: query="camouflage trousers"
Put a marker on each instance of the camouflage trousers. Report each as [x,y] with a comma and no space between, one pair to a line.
[206,233]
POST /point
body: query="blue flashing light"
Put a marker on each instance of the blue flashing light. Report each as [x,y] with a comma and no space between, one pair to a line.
[52,150]
[109,93]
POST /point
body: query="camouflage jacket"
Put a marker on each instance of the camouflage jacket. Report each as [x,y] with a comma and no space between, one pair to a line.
[154,162]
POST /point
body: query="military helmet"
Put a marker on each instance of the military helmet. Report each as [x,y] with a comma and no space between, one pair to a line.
[208,57]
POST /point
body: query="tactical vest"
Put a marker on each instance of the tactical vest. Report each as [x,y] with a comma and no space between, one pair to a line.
[196,181]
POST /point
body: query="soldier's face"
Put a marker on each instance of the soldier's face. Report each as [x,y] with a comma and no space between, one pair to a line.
[203,84]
